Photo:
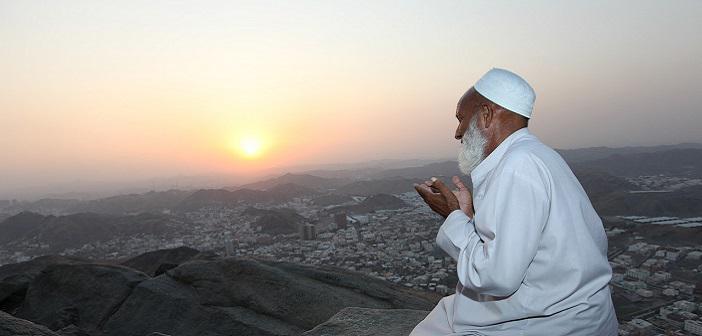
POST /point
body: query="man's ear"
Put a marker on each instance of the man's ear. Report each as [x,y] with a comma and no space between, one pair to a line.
[487,113]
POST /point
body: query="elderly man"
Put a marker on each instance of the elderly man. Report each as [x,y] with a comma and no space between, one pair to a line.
[531,251]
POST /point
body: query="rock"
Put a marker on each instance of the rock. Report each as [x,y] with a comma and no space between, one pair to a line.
[165,259]
[72,330]
[84,295]
[241,296]
[167,306]
[12,326]
[364,321]
[15,278]
[12,292]
[216,296]
[163,268]
[33,267]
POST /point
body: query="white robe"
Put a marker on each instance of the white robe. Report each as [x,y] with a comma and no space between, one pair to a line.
[533,261]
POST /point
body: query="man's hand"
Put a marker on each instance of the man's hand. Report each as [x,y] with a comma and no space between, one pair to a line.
[465,199]
[444,201]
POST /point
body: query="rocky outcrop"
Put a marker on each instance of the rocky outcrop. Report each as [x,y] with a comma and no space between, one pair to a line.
[157,262]
[84,295]
[12,326]
[15,278]
[206,295]
[367,322]
[250,297]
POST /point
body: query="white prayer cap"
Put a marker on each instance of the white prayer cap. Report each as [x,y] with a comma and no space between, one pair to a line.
[507,89]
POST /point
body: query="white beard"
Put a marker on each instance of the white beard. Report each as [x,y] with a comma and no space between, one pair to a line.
[473,150]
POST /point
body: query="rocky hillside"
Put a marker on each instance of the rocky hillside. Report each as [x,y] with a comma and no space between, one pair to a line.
[356,321]
[220,296]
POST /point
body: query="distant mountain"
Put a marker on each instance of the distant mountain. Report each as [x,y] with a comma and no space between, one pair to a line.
[373,203]
[222,197]
[43,206]
[682,202]
[380,186]
[331,199]
[275,221]
[152,201]
[596,153]
[598,183]
[75,230]
[288,191]
[303,180]
[230,296]
[20,226]
[425,172]
[674,162]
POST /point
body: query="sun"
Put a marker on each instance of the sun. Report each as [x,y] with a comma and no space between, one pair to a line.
[251,147]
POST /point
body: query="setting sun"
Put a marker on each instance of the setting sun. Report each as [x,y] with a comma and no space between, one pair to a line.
[251,147]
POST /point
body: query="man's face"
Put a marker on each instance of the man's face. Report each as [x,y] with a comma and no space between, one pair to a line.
[465,109]
[473,140]
[472,151]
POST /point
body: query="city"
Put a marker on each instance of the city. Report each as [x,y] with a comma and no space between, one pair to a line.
[656,287]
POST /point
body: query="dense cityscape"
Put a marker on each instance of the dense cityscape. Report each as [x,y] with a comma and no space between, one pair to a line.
[656,287]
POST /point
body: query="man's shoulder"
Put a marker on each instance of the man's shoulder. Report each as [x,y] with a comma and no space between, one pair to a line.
[530,149]
[530,157]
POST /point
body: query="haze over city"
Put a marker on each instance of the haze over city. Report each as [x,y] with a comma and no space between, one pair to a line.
[131,91]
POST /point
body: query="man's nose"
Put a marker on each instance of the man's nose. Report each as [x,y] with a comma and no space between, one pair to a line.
[458,135]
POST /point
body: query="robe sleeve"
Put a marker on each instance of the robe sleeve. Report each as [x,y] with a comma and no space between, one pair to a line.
[515,209]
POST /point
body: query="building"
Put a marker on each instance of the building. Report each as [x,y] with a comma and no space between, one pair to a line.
[685,305]
[309,232]
[640,327]
[638,273]
[672,255]
[693,326]
[670,292]
[633,285]
[340,220]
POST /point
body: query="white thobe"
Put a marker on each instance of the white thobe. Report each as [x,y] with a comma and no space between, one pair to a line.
[533,260]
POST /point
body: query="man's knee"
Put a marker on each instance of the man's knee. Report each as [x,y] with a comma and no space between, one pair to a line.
[438,321]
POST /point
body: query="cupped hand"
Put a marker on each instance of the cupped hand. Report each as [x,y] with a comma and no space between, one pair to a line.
[438,196]
[465,199]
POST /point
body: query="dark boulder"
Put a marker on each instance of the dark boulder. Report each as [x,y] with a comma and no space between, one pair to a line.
[12,326]
[15,278]
[84,295]
[369,322]
[164,305]
[72,330]
[151,262]
[241,296]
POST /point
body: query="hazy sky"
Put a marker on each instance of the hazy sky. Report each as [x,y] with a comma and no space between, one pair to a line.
[120,90]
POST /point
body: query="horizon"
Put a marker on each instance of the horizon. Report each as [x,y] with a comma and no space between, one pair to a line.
[118,93]
[91,190]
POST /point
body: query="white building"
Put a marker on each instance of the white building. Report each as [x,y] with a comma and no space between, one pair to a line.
[685,305]
[672,255]
[638,273]
[670,292]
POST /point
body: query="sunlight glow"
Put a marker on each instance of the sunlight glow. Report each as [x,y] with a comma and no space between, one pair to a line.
[251,147]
